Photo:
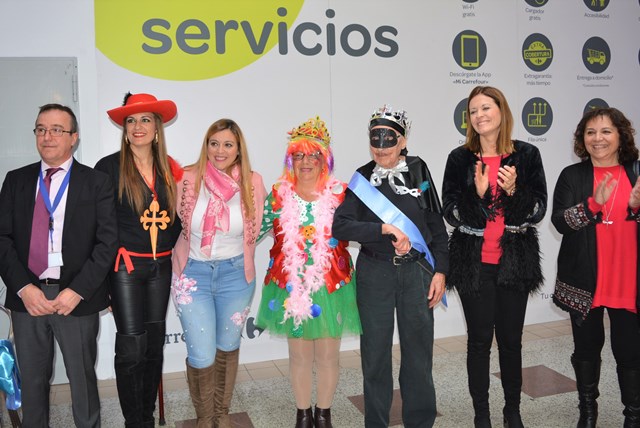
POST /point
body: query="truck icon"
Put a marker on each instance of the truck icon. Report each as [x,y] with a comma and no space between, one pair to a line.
[596,56]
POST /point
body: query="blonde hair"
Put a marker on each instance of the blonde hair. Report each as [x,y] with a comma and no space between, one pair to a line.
[200,167]
[134,189]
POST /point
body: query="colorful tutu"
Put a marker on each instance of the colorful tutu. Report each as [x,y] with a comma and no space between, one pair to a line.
[338,313]
[321,293]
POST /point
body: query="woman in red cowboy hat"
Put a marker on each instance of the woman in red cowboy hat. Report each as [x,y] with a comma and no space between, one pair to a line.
[144,178]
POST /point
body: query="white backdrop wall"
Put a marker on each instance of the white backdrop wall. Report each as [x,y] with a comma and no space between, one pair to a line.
[275,92]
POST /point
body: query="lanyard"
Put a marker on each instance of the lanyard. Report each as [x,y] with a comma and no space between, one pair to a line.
[47,201]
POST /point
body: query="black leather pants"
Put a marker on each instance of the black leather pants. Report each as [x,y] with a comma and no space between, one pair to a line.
[139,303]
[141,296]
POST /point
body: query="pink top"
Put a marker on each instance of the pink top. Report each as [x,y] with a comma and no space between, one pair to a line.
[491,251]
[616,245]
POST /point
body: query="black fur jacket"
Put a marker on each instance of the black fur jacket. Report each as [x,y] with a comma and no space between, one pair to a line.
[519,268]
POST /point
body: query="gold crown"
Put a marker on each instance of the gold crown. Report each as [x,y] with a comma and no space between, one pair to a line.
[313,129]
[397,119]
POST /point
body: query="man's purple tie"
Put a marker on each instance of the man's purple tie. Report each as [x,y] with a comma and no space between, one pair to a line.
[38,253]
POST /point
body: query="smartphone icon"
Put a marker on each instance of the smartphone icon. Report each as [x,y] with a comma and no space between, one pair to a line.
[470,50]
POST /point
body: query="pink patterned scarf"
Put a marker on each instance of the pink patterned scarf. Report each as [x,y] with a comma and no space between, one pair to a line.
[221,188]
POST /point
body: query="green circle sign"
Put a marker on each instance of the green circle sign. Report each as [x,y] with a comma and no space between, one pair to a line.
[191,39]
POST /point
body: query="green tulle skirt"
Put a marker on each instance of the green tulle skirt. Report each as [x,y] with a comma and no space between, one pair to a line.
[339,316]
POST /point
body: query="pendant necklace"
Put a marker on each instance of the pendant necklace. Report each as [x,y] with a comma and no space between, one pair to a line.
[607,213]
[153,219]
[152,185]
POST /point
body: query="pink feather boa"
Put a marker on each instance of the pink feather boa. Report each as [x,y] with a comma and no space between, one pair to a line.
[306,279]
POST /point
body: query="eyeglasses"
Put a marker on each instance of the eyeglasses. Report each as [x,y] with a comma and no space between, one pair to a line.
[54,132]
[314,157]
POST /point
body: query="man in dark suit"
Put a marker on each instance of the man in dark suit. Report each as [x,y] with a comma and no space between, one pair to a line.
[59,290]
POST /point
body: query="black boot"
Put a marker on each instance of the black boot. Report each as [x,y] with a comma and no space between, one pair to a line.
[512,419]
[478,378]
[322,418]
[152,369]
[482,422]
[511,378]
[629,380]
[587,380]
[129,368]
[304,418]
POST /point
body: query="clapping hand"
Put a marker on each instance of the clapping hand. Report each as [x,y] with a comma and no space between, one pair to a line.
[634,198]
[481,178]
[605,187]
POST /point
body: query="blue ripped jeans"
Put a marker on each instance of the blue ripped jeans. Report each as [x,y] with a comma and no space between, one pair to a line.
[213,299]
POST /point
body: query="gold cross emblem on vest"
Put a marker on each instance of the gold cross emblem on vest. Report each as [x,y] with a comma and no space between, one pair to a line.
[153,220]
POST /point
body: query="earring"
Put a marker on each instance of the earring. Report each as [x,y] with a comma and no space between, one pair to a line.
[126,139]
[155,140]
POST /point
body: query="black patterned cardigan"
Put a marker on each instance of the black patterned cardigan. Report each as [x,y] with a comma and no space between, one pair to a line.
[519,267]
[577,266]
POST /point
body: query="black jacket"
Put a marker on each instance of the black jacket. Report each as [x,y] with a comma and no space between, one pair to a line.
[354,221]
[577,266]
[88,242]
[519,268]
[131,234]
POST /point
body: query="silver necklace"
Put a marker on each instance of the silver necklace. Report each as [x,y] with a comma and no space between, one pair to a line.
[607,213]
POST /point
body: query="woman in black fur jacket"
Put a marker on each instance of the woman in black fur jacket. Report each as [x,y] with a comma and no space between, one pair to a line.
[494,192]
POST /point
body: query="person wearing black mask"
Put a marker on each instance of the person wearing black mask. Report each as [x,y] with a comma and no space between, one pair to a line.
[392,209]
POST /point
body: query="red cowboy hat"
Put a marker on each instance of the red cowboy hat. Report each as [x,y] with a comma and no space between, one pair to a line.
[141,103]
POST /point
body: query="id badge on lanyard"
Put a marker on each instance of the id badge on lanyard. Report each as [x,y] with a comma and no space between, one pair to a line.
[54,258]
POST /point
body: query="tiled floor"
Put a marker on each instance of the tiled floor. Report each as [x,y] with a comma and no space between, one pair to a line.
[263,397]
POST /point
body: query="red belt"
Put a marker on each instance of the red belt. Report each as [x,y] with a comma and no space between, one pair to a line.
[126,256]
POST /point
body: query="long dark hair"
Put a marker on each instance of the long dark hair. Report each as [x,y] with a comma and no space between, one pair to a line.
[131,186]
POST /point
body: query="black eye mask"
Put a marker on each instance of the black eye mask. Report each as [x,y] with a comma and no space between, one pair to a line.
[383,138]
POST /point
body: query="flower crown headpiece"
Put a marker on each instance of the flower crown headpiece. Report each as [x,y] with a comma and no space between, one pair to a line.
[313,129]
[386,116]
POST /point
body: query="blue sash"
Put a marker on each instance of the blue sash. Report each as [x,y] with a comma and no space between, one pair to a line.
[9,376]
[390,214]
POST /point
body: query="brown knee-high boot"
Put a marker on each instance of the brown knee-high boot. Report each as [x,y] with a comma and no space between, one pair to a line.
[201,383]
[226,368]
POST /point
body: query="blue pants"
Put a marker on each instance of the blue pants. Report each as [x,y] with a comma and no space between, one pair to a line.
[213,307]
[385,291]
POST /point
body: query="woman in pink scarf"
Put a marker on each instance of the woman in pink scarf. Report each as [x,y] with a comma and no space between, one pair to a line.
[220,203]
